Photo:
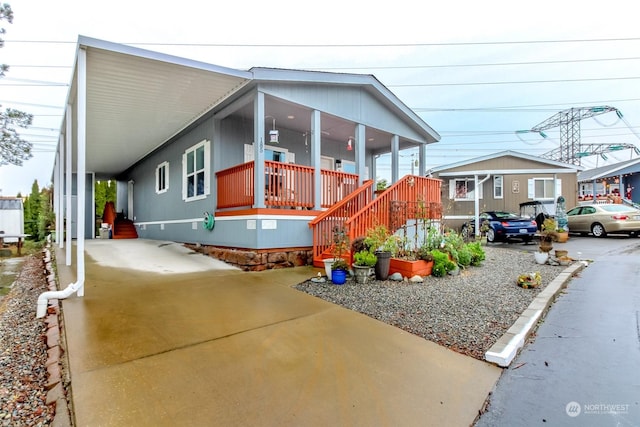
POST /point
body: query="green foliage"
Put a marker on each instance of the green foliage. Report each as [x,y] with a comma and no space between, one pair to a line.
[105,192]
[464,256]
[441,263]
[365,258]
[39,218]
[340,264]
[381,184]
[433,239]
[13,149]
[452,243]
[477,253]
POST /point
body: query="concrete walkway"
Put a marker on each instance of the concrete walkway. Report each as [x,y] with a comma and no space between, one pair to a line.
[225,347]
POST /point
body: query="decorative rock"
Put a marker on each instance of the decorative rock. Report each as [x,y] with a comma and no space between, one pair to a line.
[318,280]
[396,277]
[416,279]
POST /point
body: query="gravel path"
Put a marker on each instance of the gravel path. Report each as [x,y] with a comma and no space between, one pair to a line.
[467,313]
[23,351]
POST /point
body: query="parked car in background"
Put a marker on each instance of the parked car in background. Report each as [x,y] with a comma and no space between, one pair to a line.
[503,226]
[535,209]
[601,220]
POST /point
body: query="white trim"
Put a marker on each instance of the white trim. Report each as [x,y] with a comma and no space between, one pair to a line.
[501,178]
[206,169]
[506,172]
[164,165]
[229,218]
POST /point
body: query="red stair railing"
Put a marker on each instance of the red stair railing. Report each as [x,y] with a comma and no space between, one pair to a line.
[322,226]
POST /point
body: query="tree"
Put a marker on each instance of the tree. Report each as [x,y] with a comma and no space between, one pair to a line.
[13,149]
[32,211]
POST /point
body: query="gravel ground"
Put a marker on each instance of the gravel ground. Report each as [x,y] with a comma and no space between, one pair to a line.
[467,313]
[23,351]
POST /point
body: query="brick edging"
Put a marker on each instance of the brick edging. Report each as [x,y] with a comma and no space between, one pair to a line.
[56,393]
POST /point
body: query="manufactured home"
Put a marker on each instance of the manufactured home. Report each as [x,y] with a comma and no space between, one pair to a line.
[501,182]
[255,167]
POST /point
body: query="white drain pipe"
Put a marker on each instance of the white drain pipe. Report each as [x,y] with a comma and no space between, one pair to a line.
[43,299]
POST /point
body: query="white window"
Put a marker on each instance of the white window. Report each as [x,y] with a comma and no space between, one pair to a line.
[162,178]
[463,189]
[544,188]
[196,172]
[497,187]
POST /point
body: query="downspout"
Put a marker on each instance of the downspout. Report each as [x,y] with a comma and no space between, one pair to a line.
[43,299]
[477,200]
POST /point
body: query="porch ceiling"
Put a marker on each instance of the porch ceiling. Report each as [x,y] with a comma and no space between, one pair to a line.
[138,99]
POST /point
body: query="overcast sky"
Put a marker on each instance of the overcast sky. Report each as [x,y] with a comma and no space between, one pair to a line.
[476,72]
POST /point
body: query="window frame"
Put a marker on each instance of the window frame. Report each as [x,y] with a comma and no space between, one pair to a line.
[162,166]
[470,196]
[500,187]
[205,170]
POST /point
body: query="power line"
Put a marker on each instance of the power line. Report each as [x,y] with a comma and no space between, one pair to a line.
[512,82]
[322,45]
[494,64]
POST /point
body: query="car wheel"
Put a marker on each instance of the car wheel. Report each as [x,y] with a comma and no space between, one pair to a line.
[598,230]
[491,235]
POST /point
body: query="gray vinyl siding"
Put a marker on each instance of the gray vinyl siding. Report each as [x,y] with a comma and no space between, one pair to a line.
[351,103]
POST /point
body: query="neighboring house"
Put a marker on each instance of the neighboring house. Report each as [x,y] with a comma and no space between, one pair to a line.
[248,164]
[11,218]
[620,179]
[500,182]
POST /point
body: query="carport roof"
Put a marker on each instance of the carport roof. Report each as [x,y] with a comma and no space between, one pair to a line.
[630,166]
[137,100]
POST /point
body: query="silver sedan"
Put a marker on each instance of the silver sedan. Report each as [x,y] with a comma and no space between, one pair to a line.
[603,219]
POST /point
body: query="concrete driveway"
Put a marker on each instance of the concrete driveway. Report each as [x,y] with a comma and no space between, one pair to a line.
[223,347]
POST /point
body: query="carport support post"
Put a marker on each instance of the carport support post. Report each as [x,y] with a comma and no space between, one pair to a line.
[82,165]
[68,137]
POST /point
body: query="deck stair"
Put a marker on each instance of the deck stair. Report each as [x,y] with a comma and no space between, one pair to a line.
[412,197]
[121,228]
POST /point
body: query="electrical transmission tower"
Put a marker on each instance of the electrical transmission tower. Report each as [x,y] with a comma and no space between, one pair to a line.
[571,150]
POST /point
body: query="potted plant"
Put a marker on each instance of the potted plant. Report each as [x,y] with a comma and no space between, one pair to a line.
[547,233]
[562,235]
[339,266]
[384,245]
[363,261]
[339,270]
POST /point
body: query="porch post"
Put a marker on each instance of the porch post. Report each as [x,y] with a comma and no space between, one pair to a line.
[81,166]
[395,156]
[258,150]
[68,179]
[360,151]
[422,156]
[316,152]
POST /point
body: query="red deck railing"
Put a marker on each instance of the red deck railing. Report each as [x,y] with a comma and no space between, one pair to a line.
[286,185]
[410,198]
[322,225]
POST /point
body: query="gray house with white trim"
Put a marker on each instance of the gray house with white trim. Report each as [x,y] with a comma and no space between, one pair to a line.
[255,155]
